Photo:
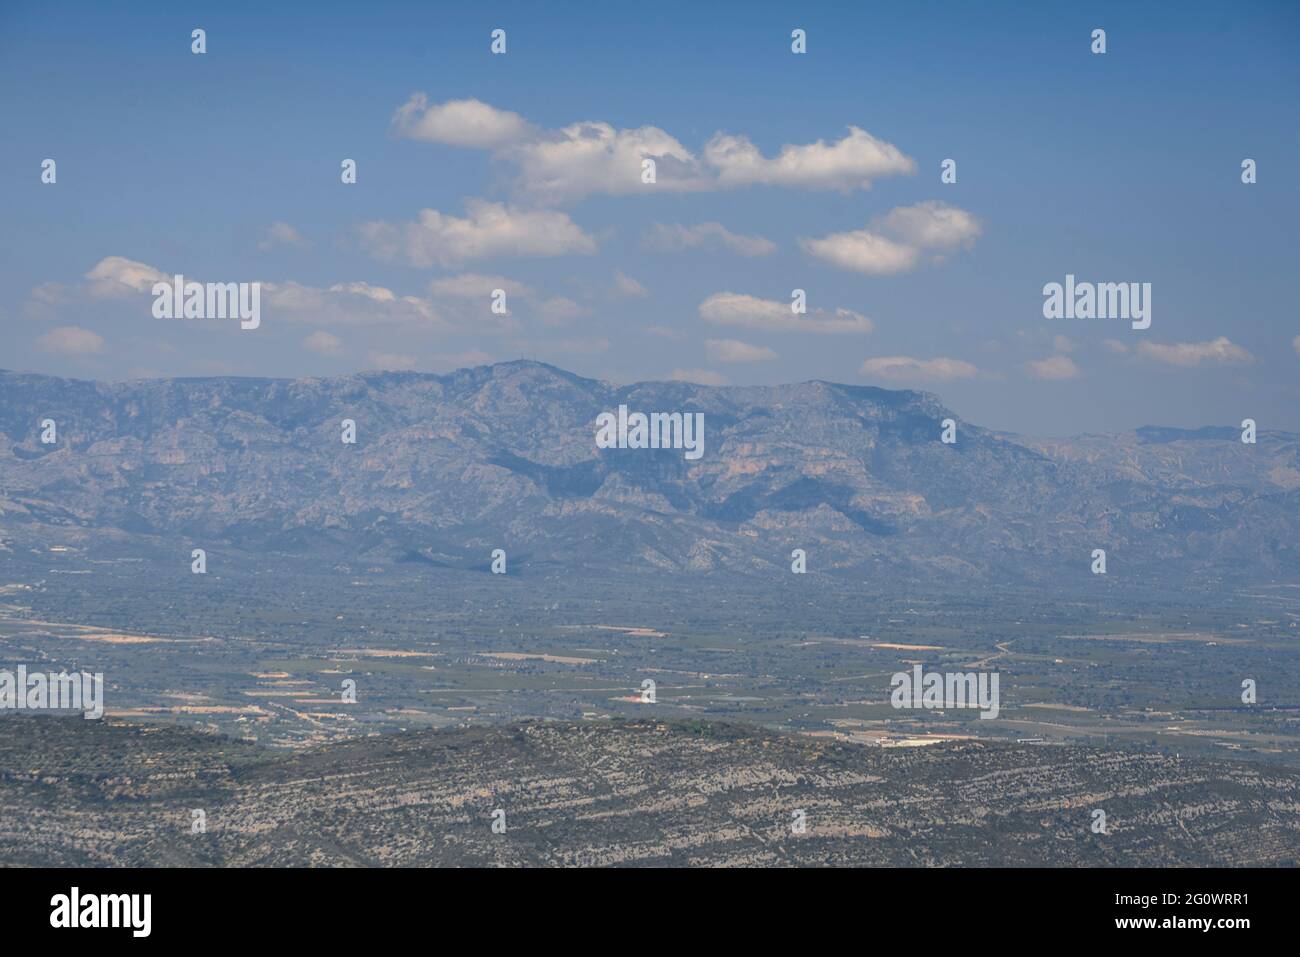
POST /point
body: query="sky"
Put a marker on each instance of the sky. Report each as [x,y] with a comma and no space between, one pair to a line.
[774,171]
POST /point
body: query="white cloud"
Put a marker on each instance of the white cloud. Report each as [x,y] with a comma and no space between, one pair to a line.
[281,234]
[739,309]
[861,251]
[1115,346]
[1062,344]
[490,230]
[625,285]
[1053,367]
[1295,344]
[907,367]
[115,276]
[698,376]
[848,164]
[1218,351]
[349,303]
[71,341]
[706,235]
[364,289]
[586,158]
[323,343]
[930,225]
[733,350]
[352,303]
[470,123]
[595,157]
[894,243]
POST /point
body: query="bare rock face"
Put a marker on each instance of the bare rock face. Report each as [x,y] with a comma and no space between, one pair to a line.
[508,452]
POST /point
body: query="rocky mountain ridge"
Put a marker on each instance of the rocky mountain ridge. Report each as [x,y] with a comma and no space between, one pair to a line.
[447,467]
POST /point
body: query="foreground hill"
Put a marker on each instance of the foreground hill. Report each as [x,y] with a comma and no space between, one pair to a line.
[445,468]
[74,792]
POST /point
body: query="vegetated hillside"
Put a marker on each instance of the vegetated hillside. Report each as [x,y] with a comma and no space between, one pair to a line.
[620,793]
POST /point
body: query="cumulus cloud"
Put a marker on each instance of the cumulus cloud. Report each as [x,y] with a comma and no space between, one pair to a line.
[625,285]
[862,251]
[114,277]
[931,225]
[739,309]
[698,376]
[706,236]
[460,302]
[906,367]
[471,123]
[733,350]
[1220,351]
[851,163]
[596,157]
[490,230]
[71,341]
[895,242]
[1063,344]
[363,289]
[1115,346]
[1053,367]
[586,158]
[348,303]
[323,343]
[280,234]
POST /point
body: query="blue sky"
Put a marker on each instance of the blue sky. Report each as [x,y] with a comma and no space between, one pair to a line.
[1121,167]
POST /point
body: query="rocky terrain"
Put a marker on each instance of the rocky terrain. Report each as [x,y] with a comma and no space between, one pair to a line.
[446,468]
[74,792]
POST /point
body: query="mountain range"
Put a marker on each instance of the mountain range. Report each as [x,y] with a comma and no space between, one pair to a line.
[446,468]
